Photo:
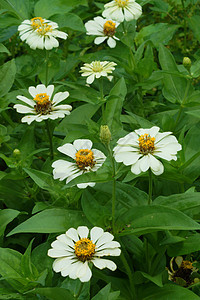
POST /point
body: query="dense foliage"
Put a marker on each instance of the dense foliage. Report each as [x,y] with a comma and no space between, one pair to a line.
[155,82]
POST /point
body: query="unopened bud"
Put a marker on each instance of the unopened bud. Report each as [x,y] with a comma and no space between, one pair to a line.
[16,152]
[187,62]
[105,135]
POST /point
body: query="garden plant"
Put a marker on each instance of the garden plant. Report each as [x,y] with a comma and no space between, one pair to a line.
[100,149]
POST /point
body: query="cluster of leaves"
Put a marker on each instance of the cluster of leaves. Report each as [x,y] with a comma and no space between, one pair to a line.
[150,87]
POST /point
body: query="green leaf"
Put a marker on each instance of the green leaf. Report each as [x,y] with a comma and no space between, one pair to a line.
[10,267]
[28,269]
[43,180]
[144,219]
[70,21]
[157,33]
[169,291]
[7,76]
[95,213]
[104,294]
[193,23]
[155,279]
[43,9]
[20,8]
[6,216]
[182,202]
[174,86]
[114,106]
[3,49]
[189,245]
[54,293]
[51,221]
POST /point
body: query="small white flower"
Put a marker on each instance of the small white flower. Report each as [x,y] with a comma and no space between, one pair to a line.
[104,29]
[40,33]
[85,158]
[74,250]
[140,147]
[96,69]
[121,10]
[41,107]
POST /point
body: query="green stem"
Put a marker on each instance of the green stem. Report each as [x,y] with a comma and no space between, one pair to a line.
[101,97]
[79,291]
[150,187]
[113,189]
[184,26]
[50,139]
[181,107]
[129,273]
[47,67]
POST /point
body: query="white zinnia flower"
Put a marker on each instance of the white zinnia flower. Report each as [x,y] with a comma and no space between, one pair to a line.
[85,158]
[121,10]
[41,107]
[104,29]
[40,33]
[96,69]
[140,147]
[74,250]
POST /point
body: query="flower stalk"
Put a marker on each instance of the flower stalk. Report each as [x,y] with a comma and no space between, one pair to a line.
[150,187]
[114,187]
[50,139]
[130,276]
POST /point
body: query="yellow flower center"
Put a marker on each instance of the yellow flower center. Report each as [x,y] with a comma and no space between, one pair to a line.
[186,264]
[122,3]
[84,249]
[85,159]
[43,104]
[96,66]
[40,26]
[109,28]
[146,144]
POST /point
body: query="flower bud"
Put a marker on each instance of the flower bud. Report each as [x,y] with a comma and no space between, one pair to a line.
[16,152]
[187,62]
[105,135]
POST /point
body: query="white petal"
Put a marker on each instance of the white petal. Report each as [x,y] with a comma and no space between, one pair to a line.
[62,263]
[144,163]
[111,42]
[72,234]
[29,119]
[83,231]
[64,239]
[68,149]
[60,97]
[26,100]
[50,89]
[62,107]
[155,165]
[90,79]
[104,263]
[85,273]
[109,245]
[99,40]
[128,158]
[59,253]
[24,109]
[109,252]
[82,144]
[135,168]
[96,233]
[105,238]
[84,185]
[32,91]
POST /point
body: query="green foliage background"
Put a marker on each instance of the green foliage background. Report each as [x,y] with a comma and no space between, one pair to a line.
[150,87]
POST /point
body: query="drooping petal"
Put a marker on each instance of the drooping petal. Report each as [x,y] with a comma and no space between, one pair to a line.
[104,263]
